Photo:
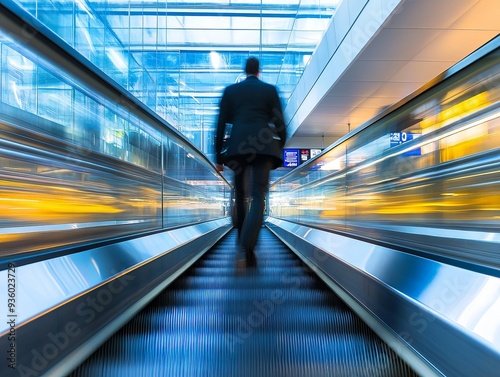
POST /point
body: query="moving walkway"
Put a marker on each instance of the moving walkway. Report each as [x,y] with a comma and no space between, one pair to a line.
[223,318]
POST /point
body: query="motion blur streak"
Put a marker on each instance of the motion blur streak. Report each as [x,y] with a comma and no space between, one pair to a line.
[432,163]
[77,166]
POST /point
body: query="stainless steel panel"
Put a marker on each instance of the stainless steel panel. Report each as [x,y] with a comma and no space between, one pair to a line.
[46,284]
[68,306]
[445,314]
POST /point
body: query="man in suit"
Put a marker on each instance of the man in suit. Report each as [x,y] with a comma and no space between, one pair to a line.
[253,111]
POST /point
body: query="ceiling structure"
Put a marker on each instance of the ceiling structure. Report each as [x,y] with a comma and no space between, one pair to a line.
[178,56]
[418,41]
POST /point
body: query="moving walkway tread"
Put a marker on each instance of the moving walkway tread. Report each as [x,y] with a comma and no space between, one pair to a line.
[223,319]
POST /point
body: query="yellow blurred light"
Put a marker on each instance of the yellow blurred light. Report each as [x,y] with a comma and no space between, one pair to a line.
[331,165]
[11,237]
[464,107]
[460,109]
[17,200]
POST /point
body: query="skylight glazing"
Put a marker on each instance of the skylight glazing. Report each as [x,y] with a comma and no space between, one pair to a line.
[178,56]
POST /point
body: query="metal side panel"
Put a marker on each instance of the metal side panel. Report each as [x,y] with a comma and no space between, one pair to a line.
[441,319]
[67,306]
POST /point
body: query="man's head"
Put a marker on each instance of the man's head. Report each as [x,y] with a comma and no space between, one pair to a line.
[252,66]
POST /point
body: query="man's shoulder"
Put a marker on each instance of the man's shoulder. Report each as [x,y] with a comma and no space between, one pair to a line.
[269,86]
[233,87]
[254,83]
[259,83]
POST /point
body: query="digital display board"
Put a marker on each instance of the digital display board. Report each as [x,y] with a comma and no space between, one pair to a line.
[315,152]
[290,158]
[305,154]
[294,157]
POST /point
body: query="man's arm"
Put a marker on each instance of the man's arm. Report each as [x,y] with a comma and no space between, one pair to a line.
[278,118]
[221,124]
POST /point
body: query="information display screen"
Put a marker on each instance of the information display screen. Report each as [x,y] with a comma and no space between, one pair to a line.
[305,154]
[294,157]
[290,158]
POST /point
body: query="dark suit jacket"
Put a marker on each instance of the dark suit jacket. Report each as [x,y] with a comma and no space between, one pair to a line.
[250,106]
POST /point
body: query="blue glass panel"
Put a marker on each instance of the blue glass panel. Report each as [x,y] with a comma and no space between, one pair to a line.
[161,51]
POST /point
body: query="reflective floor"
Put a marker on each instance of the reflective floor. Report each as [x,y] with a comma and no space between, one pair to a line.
[225,318]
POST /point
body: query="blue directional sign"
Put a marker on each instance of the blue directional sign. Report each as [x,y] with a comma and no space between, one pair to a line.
[290,158]
[398,138]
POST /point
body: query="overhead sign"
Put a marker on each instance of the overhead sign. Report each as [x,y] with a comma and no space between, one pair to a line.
[294,157]
[315,152]
[398,138]
[290,158]
[305,154]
